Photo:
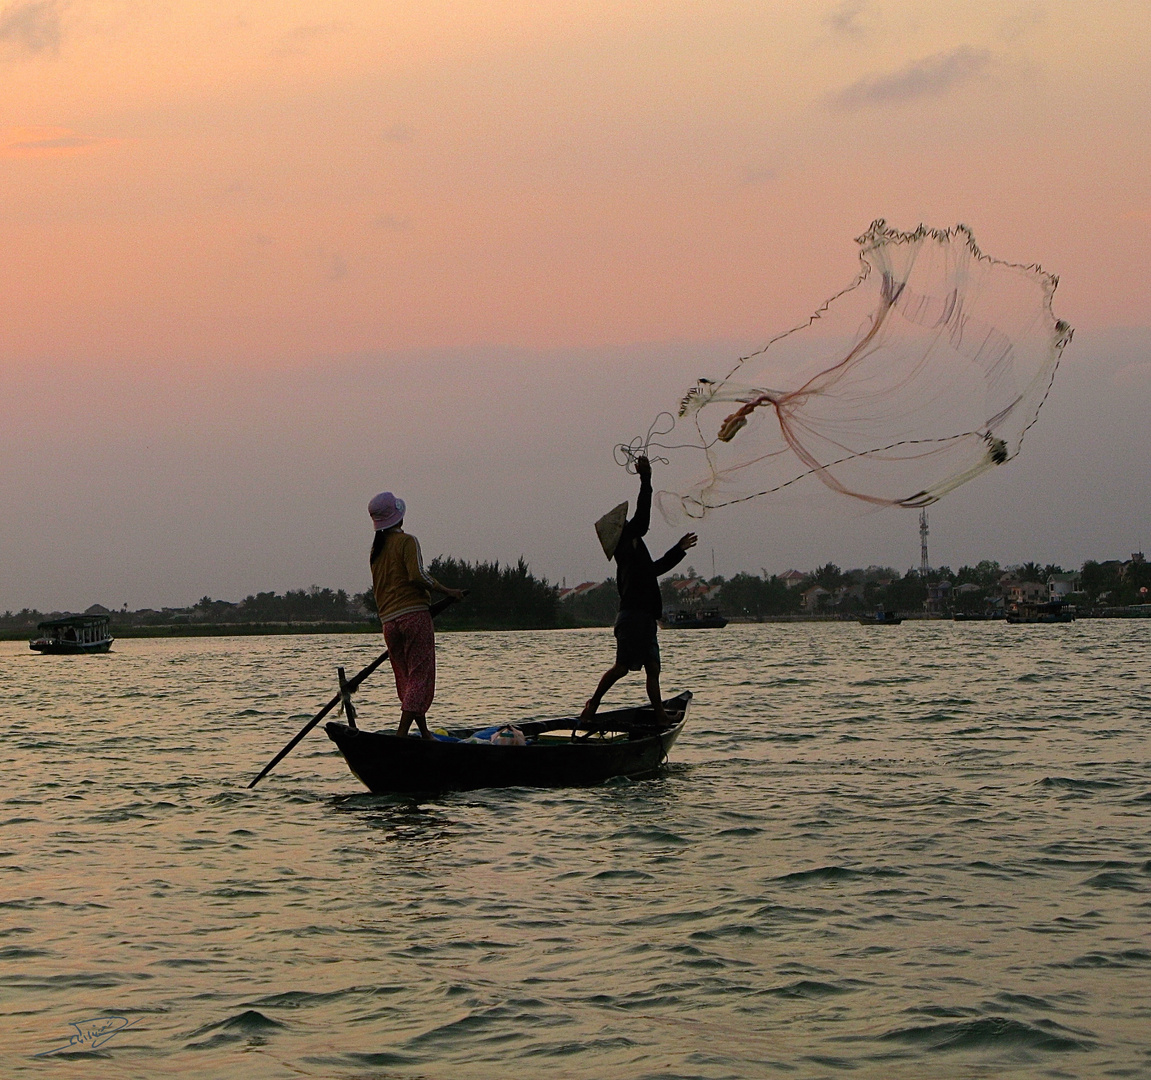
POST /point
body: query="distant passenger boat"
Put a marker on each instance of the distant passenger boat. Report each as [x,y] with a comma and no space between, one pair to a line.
[75,634]
[880,618]
[693,620]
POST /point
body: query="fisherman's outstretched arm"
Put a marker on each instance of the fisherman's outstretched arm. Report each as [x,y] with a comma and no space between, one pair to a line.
[641,520]
[674,554]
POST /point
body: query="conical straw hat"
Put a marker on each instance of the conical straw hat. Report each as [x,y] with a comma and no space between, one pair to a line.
[609,528]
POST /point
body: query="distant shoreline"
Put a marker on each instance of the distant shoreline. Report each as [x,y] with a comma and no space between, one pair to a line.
[271,629]
[219,630]
[172,630]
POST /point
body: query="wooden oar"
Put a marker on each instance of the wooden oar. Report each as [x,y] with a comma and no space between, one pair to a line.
[344,694]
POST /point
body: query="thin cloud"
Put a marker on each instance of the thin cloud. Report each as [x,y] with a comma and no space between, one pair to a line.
[398,133]
[330,265]
[298,40]
[758,175]
[312,31]
[1023,21]
[843,20]
[31,27]
[930,77]
[391,223]
[49,142]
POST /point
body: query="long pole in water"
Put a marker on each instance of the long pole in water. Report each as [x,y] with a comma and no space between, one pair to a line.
[349,687]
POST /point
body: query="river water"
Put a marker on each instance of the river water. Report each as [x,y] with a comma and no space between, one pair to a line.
[914,851]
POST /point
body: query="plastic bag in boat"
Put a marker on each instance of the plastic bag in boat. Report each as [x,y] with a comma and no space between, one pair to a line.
[509,736]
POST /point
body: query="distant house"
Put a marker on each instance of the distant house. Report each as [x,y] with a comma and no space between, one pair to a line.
[578,590]
[814,598]
[1025,592]
[1060,586]
[792,578]
[693,590]
[938,593]
[848,592]
[966,588]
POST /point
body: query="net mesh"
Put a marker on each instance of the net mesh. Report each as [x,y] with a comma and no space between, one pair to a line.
[925,372]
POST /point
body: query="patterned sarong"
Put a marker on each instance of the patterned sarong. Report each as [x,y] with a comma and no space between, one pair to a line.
[411,645]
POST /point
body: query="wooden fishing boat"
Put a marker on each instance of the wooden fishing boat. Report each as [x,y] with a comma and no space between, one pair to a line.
[74,634]
[557,753]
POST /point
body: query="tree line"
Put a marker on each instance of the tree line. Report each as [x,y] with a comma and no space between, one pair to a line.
[499,597]
[511,597]
[970,588]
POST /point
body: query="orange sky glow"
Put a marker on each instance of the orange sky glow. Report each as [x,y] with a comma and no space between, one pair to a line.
[215,181]
[194,190]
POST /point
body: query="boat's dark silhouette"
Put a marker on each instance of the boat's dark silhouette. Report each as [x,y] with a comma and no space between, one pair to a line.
[684,619]
[72,635]
[1055,611]
[561,752]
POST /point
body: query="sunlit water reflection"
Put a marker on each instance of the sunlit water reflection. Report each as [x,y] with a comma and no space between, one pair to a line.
[908,851]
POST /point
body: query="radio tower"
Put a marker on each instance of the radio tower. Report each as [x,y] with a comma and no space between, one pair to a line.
[924,566]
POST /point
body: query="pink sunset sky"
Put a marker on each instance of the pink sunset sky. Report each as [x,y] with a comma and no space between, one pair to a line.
[262,261]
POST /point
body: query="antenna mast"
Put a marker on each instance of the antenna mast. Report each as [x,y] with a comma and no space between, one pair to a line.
[924,566]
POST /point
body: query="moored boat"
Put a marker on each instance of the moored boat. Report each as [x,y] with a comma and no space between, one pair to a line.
[880,618]
[555,753]
[693,620]
[1053,612]
[72,635]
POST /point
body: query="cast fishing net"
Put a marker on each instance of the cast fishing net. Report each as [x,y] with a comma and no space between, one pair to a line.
[925,372]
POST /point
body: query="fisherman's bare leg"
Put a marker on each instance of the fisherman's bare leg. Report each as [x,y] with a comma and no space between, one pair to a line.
[653,692]
[610,678]
[406,718]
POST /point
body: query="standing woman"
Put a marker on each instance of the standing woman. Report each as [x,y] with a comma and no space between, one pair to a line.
[401,586]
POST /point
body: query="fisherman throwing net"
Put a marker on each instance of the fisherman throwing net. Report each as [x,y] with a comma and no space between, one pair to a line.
[925,372]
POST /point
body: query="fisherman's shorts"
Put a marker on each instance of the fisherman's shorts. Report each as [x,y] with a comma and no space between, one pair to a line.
[636,645]
[411,642]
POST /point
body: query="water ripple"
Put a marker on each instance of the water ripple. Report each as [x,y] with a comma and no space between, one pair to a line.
[913,855]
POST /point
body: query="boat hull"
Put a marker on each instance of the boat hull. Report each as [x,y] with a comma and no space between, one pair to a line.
[70,648]
[1043,618]
[387,763]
